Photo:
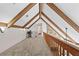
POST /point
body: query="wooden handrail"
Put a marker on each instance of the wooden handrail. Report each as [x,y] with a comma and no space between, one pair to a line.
[72,49]
[50,20]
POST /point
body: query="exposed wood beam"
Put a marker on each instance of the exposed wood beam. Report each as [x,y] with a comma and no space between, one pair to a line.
[40,9]
[33,23]
[16,26]
[3,24]
[20,14]
[30,20]
[56,26]
[64,16]
[13,26]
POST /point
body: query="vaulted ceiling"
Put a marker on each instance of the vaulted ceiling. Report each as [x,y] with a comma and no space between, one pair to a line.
[59,15]
[9,10]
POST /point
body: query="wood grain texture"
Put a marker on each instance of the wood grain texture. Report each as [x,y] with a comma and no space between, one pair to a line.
[70,48]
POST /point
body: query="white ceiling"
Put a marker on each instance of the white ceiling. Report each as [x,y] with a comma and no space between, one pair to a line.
[60,22]
[71,10]
[33,21]
[10,10]
[31,13]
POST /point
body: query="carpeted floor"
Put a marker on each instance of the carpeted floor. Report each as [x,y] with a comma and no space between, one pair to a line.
[35,46]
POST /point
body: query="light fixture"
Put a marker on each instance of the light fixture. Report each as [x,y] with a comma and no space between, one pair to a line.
[2,29]
[27,15]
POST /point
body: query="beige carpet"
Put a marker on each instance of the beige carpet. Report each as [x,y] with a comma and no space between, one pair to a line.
[35,46]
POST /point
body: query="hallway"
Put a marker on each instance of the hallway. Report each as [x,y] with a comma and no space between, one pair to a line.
[29,47]
[53,27]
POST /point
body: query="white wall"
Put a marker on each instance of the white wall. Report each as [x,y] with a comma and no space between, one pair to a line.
[10,37]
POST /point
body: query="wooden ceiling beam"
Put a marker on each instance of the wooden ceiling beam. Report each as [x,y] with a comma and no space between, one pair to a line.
[40,9]
[33,23]
[56,26]
[16,26]
[30,20]
[3,24]
[64,16]
[13,26]
[20,14]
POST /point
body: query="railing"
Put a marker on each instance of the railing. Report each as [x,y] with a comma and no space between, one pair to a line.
[61,47]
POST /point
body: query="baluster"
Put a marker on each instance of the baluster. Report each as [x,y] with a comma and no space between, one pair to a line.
[63,52]
[60,50]
[67,53]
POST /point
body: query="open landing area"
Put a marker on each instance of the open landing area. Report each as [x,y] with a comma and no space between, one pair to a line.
[35,46]
[39,29]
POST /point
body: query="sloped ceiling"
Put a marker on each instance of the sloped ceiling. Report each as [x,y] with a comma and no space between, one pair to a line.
[9,10]
[60,22]
[71,10]
[29,15]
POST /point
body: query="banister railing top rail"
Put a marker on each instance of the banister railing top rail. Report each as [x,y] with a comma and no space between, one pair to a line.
[70,47]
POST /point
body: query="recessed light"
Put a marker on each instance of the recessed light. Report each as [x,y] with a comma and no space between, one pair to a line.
[26,15]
